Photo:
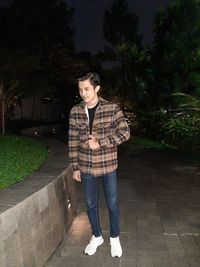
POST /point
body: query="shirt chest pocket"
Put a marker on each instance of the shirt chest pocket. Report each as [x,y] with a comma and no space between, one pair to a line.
[103,129]
[83,132]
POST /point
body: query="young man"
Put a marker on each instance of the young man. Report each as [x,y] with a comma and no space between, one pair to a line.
[96,128]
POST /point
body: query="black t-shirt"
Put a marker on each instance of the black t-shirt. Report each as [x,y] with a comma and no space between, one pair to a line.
[91,112]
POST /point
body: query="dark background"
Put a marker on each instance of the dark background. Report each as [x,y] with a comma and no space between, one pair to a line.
[88,19]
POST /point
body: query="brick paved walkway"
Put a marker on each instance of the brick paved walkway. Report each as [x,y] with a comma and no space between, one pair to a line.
[160,216]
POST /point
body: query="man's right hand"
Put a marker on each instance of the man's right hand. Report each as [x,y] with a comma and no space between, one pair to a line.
[77,176]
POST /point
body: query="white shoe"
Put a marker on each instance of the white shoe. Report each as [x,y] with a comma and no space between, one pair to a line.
[116,249]
[95,242]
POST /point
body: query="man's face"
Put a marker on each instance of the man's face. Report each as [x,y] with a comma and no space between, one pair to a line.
[87,92]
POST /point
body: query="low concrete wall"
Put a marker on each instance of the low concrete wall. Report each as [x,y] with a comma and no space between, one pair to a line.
[33,226]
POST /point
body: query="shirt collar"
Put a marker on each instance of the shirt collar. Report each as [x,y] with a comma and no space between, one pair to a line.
[101,100]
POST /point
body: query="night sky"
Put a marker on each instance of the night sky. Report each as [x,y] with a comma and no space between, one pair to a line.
[88,19]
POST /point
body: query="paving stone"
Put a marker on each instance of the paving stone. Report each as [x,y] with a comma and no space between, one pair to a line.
[160,216]
[128,263]
[145,259]
[179,260]
[182,226]
[129,253]
[111,262]
[72,251]
[128,240]
[67,261]
[95,260]
[174,244]
[156,228]
[189,243]
[197,237]
[158,242]
[163,264]
[194,260]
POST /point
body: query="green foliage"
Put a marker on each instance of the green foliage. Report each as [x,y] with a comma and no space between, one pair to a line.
[120,26]
[150,124]
[181,131]
[176,65]
[35,25]
[172,151]
[19,157]
[176,54]
[17,70]
[127,80]
[36,46]
[146,80]
[184,132]
[121,31]
[191,103]
[146,143]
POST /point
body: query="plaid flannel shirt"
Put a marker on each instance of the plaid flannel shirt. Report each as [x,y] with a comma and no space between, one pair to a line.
[109,128]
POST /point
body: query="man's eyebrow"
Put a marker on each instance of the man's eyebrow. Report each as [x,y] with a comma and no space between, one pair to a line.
[86,87]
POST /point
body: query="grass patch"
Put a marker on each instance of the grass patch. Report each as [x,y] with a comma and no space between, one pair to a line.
[190,157]
[19,157]
[148,143]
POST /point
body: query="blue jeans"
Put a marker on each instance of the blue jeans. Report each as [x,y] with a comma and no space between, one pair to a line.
[109,183]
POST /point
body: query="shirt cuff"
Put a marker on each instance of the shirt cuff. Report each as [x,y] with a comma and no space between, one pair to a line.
[75,167]
[103,142]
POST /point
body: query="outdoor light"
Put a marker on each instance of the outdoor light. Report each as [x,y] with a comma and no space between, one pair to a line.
[69,202]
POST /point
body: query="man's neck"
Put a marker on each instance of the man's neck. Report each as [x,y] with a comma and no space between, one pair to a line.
[92,105]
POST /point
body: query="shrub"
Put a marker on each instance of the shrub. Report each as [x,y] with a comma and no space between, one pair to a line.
[184,132]
[150,124]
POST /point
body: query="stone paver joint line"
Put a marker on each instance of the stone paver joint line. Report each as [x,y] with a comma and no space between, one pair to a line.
[181,234]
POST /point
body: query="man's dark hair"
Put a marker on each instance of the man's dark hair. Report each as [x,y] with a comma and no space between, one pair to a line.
[93,77]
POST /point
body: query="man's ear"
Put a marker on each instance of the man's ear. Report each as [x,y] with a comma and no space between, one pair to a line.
[97,88]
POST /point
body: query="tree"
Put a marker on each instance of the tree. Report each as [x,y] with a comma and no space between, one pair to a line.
[176,52]
[35,25]
[120,26]
[14,69]
[32,34]
[120,30]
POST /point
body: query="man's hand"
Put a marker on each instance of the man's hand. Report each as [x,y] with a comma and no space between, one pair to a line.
[77,176]
[93,143]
